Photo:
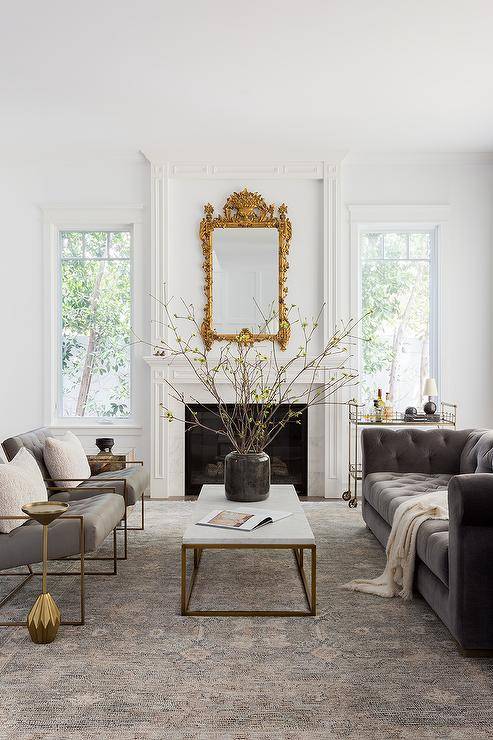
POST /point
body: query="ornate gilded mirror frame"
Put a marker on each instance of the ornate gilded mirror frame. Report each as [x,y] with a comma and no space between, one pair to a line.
[246,210]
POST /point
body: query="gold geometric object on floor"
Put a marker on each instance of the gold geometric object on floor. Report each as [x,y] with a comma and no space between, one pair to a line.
[43,620]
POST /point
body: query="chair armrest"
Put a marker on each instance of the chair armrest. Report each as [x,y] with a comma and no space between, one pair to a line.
[470,557]
[101,489]
[66,480]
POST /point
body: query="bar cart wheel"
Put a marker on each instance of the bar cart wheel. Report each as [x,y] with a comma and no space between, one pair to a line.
[353,503]
[346,495]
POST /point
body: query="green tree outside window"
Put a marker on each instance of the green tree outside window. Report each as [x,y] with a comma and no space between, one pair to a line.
[95,285]
[396,299]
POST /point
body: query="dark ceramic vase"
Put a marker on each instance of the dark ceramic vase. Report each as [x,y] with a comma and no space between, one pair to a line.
[105,444]
[247,477]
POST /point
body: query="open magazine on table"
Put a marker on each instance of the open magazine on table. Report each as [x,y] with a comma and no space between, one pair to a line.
[245,520]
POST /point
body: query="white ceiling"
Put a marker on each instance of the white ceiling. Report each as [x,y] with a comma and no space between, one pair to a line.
[289,79]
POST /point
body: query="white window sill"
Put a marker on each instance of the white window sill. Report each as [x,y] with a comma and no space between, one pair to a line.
[96,426]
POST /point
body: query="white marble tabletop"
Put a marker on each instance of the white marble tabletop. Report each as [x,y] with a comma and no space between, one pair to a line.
[294,530]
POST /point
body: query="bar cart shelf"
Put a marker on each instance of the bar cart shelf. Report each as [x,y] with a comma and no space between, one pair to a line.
[357,419]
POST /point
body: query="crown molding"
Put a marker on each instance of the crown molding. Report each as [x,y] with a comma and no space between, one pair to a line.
[398,213]
[373,159]
[219,169]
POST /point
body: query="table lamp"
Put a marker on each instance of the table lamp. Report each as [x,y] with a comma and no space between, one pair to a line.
[430,389]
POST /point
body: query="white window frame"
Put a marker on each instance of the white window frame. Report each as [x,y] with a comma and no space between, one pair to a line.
[397,218]
[57,219]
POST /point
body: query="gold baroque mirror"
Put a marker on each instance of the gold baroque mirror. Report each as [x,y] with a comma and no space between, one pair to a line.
[245,263]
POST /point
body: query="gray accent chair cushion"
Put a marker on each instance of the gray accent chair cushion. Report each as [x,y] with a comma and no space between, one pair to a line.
[136,476]
[137,479]
[23,546]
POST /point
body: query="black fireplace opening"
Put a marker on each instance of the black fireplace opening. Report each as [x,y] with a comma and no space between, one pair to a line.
[205,450]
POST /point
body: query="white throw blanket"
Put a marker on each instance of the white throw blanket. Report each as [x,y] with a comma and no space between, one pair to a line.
[397,578]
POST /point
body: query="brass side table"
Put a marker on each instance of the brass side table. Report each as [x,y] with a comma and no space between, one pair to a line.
[106,462]
[358,419]
[44,618]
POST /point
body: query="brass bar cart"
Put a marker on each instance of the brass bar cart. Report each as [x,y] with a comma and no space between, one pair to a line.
[357,419]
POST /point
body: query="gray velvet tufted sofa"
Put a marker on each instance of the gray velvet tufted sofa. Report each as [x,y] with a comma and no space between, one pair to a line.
[454,564]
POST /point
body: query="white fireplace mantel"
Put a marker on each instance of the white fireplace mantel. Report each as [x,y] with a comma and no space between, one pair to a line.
[312,192]
[169,437]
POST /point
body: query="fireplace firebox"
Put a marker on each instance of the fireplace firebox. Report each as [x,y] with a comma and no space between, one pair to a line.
[205,451]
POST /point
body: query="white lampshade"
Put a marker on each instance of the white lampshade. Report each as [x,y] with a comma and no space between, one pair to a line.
[430,387]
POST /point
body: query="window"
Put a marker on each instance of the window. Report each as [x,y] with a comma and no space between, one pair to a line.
[95,289]
[397,269]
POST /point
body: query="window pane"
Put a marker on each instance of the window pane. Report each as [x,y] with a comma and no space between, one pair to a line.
[419,246]
[371,246]
[72,244]
[396,355]
[96,319]
[119,244]
[395,246]
[95,244]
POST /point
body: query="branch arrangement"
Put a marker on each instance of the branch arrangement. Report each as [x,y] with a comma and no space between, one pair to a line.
[264,397]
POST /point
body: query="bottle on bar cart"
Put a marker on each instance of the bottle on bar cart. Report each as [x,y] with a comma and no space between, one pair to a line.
[379,406]
[388,412]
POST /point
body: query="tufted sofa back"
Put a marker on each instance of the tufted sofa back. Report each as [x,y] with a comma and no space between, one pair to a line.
[33,441]
[413,450]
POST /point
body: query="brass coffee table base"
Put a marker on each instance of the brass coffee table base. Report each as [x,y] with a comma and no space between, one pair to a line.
[298,551]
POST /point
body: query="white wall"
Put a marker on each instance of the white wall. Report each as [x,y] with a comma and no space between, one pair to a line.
[466,258]
[466,281]
[23,189]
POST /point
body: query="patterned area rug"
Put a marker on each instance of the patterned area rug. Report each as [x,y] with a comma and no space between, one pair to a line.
[363,668]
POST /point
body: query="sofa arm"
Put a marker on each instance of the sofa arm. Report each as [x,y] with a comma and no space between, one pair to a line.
[412,450]
[471,499]
[470,560]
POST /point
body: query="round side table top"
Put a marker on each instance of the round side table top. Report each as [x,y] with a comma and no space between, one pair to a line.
[45,512]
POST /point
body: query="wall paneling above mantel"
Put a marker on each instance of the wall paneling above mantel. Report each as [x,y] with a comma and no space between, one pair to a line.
[311,191]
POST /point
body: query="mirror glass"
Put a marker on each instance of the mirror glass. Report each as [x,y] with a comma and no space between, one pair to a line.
[245,278]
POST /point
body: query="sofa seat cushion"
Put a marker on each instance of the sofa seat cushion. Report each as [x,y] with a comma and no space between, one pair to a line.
[385,491]
[23,546]
[432,547]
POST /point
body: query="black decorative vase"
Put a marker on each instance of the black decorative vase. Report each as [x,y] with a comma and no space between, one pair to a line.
[105,444]
[430,407]
[247,477]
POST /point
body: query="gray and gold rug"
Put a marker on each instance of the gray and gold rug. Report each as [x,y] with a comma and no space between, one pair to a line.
[363,668]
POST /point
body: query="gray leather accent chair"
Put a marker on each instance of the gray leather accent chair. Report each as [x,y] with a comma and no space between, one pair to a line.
[454,570]
[131,483]
[86,524]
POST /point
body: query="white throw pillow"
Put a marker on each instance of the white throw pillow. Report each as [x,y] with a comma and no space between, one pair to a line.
[21,483]
[24,460]
[65,458]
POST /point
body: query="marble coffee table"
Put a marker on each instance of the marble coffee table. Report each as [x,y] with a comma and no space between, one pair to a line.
[293,533]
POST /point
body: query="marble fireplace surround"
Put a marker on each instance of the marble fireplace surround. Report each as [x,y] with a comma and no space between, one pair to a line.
[168,438]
